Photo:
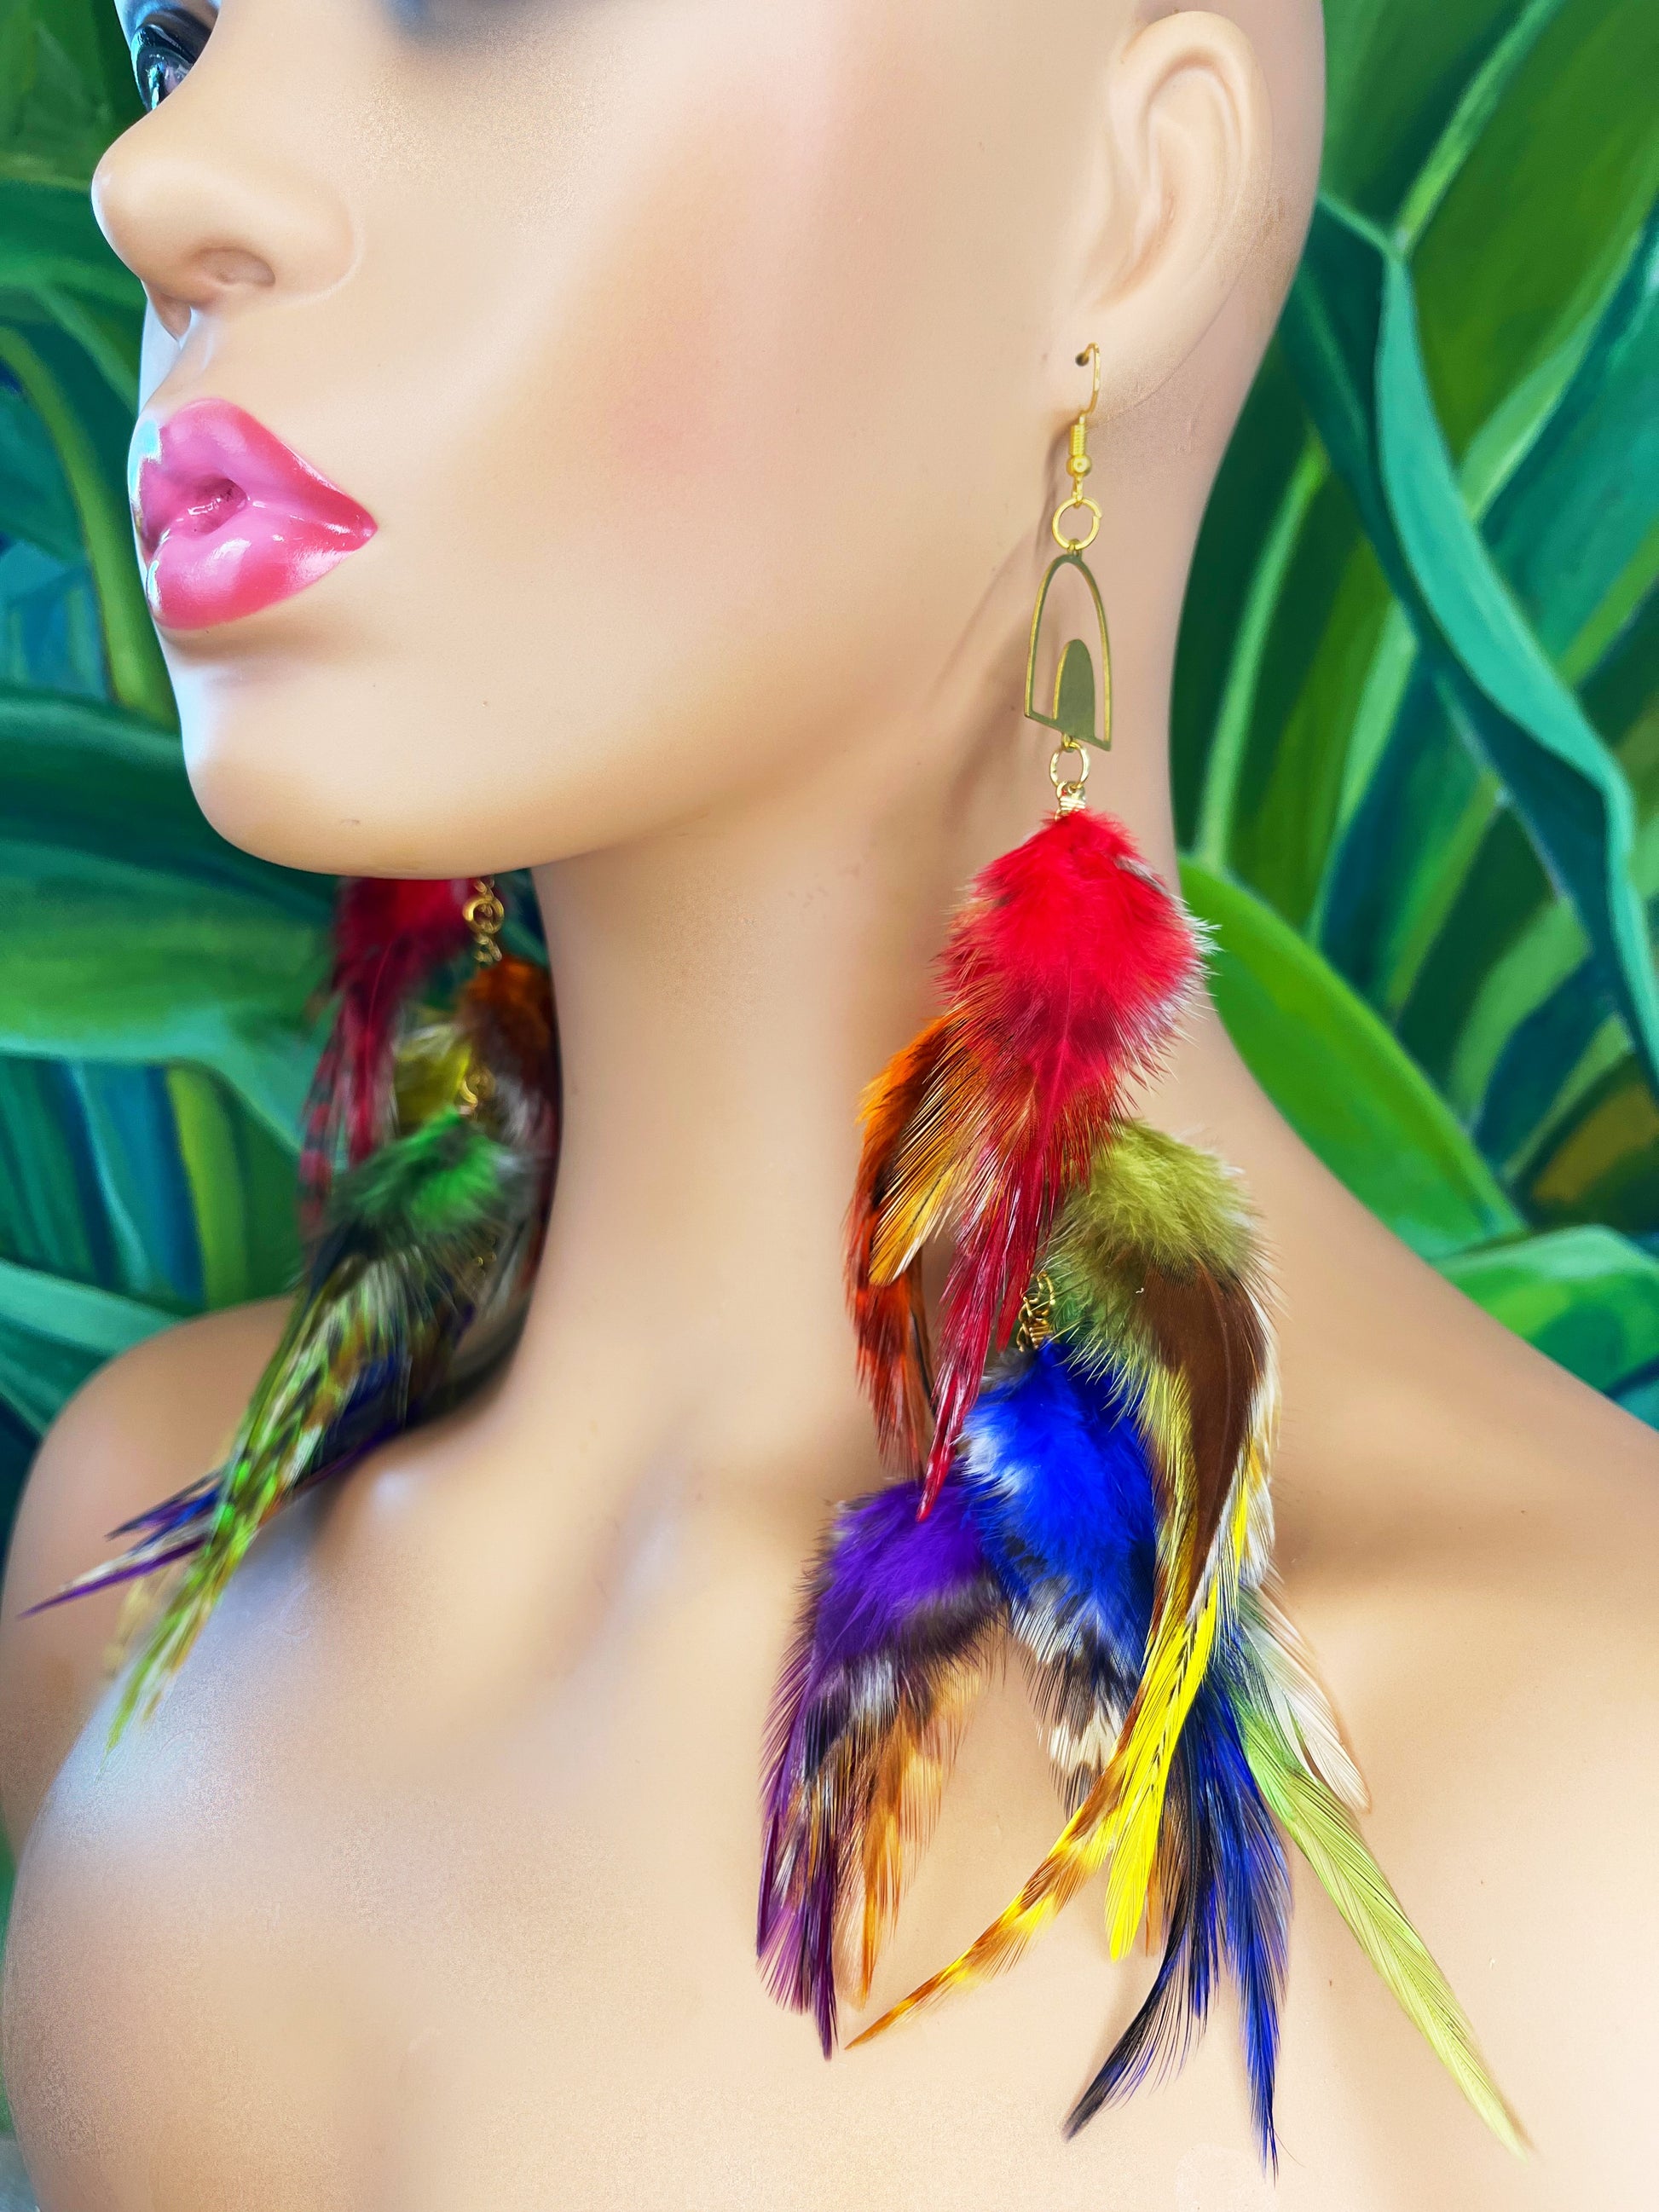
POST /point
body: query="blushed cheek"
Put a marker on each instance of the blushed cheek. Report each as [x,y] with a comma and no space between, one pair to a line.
[712,271]
[749,277]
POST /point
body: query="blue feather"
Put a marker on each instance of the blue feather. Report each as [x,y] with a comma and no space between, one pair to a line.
[1059,1481]
[1057,1478]
[1229,1901]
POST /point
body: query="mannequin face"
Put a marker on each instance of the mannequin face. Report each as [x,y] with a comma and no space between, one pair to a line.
[692,365]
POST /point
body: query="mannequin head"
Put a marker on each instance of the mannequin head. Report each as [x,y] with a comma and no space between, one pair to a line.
[704,366]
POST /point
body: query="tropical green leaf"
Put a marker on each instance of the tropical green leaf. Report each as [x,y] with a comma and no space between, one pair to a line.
[1586,1296]
[51,632]
[1576,523]
[1598,1160]
[1408,903]
[1211,669]
[54,1333]
[1478,107]
[1342,1081]
[122,961]
[1394,872]
[1540,1038]
[66,89]
[75,773]
[1414,814]
[88,436]
[1539,214]
[45,1219]
[136,1199]
[1397,72]
[135,933]
[1351,328]
[1278,682]
[244,1190]
[1574,532]
[50,244]
[35,503]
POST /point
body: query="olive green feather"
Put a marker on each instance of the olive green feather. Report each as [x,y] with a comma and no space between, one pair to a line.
[1322,1829]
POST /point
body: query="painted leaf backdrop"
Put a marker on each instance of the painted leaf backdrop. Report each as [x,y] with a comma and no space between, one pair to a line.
[155,1039]
[1417,715]
[1416,720]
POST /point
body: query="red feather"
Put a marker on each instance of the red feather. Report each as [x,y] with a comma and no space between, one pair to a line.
[389,934]
[1064,974]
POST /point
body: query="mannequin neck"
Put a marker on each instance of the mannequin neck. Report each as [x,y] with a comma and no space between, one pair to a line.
[727,988]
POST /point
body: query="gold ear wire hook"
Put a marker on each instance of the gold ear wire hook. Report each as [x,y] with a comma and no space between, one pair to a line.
[1090,353]
[1078,465]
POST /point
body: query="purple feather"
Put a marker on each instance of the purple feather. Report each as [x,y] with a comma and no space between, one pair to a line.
[895,1608]
[170,1531]
[187,1504]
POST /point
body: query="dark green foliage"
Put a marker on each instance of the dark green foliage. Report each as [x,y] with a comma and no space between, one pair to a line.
[1417,706]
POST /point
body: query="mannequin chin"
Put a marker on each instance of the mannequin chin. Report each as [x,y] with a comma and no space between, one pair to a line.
[700,362]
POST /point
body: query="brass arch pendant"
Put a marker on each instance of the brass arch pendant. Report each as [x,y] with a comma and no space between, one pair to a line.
[1078,717]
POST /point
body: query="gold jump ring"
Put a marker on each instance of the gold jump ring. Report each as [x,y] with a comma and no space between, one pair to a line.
[1076,504]
[484,913]
[1069,782]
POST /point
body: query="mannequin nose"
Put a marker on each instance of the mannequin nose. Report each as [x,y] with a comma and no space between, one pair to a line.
[204,228]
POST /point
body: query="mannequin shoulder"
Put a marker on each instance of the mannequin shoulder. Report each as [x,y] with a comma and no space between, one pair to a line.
[1500,1684]
[144,1425]
[1518,1623]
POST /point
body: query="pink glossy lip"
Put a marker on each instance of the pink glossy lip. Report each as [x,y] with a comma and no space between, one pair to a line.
[229,519]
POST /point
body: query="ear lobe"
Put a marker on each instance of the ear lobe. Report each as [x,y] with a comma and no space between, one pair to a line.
[1190,128]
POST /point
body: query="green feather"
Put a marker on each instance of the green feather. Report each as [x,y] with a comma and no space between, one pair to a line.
[1150,1193]
[1323,1831]
[442,1179]
[421,1242]
[1152,1204]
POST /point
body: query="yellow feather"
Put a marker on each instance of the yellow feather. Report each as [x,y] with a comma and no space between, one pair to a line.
[1194,1597]
[1171,1681]
[1078,1854]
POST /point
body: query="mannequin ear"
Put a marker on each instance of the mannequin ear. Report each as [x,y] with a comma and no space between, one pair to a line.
[1190,162]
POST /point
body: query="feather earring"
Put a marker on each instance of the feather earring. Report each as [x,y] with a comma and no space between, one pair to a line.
[1083,1457]
[1064,978]
[419,1253]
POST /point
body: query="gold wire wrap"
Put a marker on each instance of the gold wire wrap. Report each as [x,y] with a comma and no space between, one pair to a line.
[483,914]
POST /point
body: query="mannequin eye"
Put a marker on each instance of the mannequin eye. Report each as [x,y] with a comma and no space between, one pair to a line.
[166,41]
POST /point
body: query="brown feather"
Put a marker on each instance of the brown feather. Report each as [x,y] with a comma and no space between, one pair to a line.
[1210,1329]
[889,1314]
